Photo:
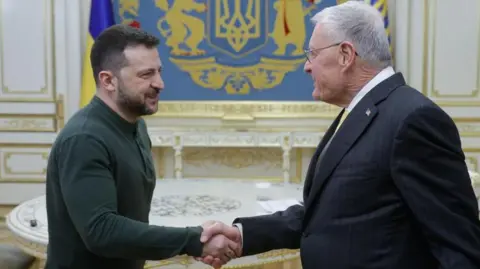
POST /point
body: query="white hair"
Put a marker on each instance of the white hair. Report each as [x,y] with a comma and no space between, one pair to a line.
[362,25]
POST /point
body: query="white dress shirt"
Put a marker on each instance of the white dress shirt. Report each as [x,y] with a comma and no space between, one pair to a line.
[383,75]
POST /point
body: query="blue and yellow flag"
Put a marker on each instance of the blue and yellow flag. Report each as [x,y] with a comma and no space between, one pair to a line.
[101,17]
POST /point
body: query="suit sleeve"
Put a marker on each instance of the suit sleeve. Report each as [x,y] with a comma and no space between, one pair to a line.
[88,189]
[429,169]
[281,230]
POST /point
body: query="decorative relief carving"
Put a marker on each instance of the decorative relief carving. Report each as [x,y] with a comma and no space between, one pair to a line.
[162,140]
[194,140]
[237,158]
[232,139]
[309,140]
[475,177]
[27,124]
[472,162]
[273,140]
[468,128]
[255,110]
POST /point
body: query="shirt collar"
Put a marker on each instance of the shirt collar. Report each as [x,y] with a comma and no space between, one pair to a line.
[383,75]
[108,113]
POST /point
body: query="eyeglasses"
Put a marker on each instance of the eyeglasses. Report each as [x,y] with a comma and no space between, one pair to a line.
[309,53]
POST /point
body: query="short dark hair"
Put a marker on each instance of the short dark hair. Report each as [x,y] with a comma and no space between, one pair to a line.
[108,50]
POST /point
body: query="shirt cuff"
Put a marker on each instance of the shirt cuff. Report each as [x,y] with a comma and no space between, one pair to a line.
[240,228]
[194,246]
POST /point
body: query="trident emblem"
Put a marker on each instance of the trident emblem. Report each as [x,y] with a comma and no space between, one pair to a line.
[235,26]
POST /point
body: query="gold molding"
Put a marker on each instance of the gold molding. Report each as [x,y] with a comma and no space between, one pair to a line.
[8,155]
[60,112]
[444,103]
[470,120]
[8,150]
[245,110]
[22,181]
[471,150]
[23,146]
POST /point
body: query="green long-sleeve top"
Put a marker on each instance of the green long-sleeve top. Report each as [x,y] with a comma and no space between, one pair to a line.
[100,182]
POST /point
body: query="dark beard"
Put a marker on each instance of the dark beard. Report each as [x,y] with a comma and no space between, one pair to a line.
[132,106]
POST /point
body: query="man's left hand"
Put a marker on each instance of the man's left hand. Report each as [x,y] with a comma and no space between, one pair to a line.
[213,228]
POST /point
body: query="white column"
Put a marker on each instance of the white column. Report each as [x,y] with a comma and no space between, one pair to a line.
[74,43]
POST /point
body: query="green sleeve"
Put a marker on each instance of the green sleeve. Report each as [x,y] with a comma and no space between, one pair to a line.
[89,192]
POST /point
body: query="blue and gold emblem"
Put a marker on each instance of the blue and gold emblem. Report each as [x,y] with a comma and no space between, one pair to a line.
[230,49]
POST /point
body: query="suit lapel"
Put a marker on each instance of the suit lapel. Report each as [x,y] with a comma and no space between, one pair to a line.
[313,163]
[352,128]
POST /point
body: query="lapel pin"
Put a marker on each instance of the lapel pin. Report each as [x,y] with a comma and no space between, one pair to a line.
[368,112]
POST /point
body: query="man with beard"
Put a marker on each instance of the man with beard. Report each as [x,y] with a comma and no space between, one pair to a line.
[100,174]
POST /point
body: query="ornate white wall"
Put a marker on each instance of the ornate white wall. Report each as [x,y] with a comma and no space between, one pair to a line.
[438,49]
[40,74]
[30,89]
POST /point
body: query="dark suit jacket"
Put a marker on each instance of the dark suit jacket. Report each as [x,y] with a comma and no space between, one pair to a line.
[392,191]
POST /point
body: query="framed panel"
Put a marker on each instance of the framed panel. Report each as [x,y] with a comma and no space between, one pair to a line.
[26,51]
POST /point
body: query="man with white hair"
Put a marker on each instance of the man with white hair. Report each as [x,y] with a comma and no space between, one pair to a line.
[388,186]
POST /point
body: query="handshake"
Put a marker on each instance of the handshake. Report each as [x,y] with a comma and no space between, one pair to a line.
[221,243]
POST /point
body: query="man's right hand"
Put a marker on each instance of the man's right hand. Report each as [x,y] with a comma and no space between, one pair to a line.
[214,231]
[212,228]
[219,250]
